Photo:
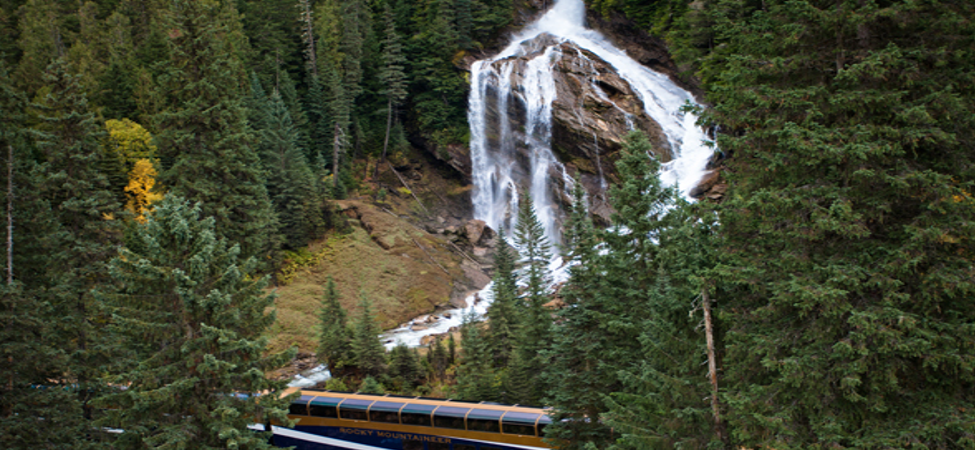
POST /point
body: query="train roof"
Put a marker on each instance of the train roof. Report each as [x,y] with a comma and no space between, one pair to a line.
[305,392]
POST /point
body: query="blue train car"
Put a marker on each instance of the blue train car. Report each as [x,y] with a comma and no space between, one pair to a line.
[328,420]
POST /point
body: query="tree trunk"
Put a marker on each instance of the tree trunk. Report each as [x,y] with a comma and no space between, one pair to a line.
[712,364]
[10,214]
[389,125]
[336,150]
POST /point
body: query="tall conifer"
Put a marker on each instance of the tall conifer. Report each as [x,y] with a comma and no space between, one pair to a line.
[335,336]
[204,144]
[850,216]
[188,308]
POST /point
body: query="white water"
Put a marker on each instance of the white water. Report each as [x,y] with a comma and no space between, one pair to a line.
[496,169]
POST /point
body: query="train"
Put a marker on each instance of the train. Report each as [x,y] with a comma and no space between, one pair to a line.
[327,420]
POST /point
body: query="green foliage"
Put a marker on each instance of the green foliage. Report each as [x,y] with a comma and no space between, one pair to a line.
[190,312]
[334,341]
[85,235]
[404,368]
[290,183]
[202,134]
[369,354]
[850,220]
[476,376]
[503,312]
[371,386]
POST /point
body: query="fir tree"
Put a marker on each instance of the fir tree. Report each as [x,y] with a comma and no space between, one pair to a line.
[189,309]
[404,368]
[86,235]
[371,386]
[851,222]
[334,342]
[203,137]
[503,314]
[392,76]
[370,356]
[534,331]
[607,297]
[476,376]
[30,354]
[290,181]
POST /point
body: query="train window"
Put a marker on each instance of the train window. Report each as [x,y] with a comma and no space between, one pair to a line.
[484,420]
[387,412]
[412,445]
[417,415]
[437,446]
[542,422]
[324,407]
[354,409]
[519,423]
[299,406]
[450,417]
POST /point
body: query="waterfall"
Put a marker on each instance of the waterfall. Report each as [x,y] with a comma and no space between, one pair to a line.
[498,164]
[510,117]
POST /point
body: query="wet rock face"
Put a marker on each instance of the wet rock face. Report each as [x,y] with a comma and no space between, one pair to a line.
[593,111]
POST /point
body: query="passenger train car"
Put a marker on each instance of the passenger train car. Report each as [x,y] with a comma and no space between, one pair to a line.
[326,420]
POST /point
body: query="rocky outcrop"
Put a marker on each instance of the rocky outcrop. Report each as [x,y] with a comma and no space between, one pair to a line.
[594,109]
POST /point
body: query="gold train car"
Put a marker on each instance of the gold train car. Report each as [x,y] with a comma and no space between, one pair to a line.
[326,420]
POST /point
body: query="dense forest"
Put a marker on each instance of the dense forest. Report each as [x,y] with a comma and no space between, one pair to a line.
[160,157]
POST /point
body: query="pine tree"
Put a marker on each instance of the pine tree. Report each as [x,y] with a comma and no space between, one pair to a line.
[370,356]
[404,368]
[204,144]
[334,342]
[850,217]
[371,386]
[476,376]
[534,331]
[392,75]
[437,359]
[29,355]
[290,182]
[503,314]
[83,205]
[189,309]
[612,284]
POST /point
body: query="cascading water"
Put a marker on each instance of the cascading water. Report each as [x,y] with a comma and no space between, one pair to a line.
[495,157]
[510,116]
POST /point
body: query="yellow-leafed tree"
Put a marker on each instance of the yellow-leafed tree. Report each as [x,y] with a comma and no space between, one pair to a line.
[130,141]
[142,180]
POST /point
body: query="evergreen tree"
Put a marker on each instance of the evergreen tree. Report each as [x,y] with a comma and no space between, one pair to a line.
[392,76]
[371,386]
[203,137]
[437,356]
[612,284]
[851,222]
[334,342]
[503,312]
[116,92]
[534,332]
[370,356]
[86,235]
[29,353]
[667,398]
[476,377]
[404,368]
[189,309]
[290,182]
